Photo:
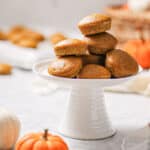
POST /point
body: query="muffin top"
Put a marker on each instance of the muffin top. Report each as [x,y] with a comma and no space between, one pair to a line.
[65,66]
[93,19]
[70,43]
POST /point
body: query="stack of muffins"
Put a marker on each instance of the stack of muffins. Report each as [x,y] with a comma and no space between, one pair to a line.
[95,56]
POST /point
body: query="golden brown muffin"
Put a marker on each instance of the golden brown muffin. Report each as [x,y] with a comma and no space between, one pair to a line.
[27,43]
[15,38]
[65,67]
[70,47]
[34,35]
[95,23]
[5,69]
[15,33]
[3,36]
[19,32]
[120,63]
[93,59]
[57,37]
[93,71]
[17,28]
[100,43]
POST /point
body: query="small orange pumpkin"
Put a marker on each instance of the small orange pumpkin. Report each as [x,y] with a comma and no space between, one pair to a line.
[140,50]
[131,47]
[125,7]
[41,141]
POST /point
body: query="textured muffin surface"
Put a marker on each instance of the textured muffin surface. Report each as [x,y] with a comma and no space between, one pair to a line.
[95,23]
[93,71]
[100,43]
[65,67]
[5,69]
[120,63]
[70,47]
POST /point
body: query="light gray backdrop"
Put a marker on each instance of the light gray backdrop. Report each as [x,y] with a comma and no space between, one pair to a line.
[64,13]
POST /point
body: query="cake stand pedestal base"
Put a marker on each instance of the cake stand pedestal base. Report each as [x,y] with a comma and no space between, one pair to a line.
[86,116]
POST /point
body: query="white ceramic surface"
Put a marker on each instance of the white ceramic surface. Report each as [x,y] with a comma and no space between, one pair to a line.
[129,113]
[86,116]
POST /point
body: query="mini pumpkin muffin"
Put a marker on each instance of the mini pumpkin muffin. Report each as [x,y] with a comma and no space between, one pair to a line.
[5,69]
[24,32]
[100,43]
[70,47]
[120,63]
[93,71]
[15,38]
[57,37]
[95,23]
[17,28]
[27,43]
[16,33]
[34,35]
[25,36]
[65,67]
[3,36]
[93,59]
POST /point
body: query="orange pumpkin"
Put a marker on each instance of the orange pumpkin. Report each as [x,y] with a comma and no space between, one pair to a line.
[140,50]
[131,47]
[41,141]
[125,7]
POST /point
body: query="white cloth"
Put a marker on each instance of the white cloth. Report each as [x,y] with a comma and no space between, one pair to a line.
[24,57]
[137,140]
[140,85]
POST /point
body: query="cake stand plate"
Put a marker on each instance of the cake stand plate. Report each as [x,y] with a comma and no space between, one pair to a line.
[86,117]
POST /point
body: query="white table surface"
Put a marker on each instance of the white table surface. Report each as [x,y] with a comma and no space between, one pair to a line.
[128,112]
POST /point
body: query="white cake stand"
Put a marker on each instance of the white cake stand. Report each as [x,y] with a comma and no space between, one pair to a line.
[86,116]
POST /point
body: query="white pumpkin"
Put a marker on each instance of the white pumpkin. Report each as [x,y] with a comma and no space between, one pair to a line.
[9,129]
